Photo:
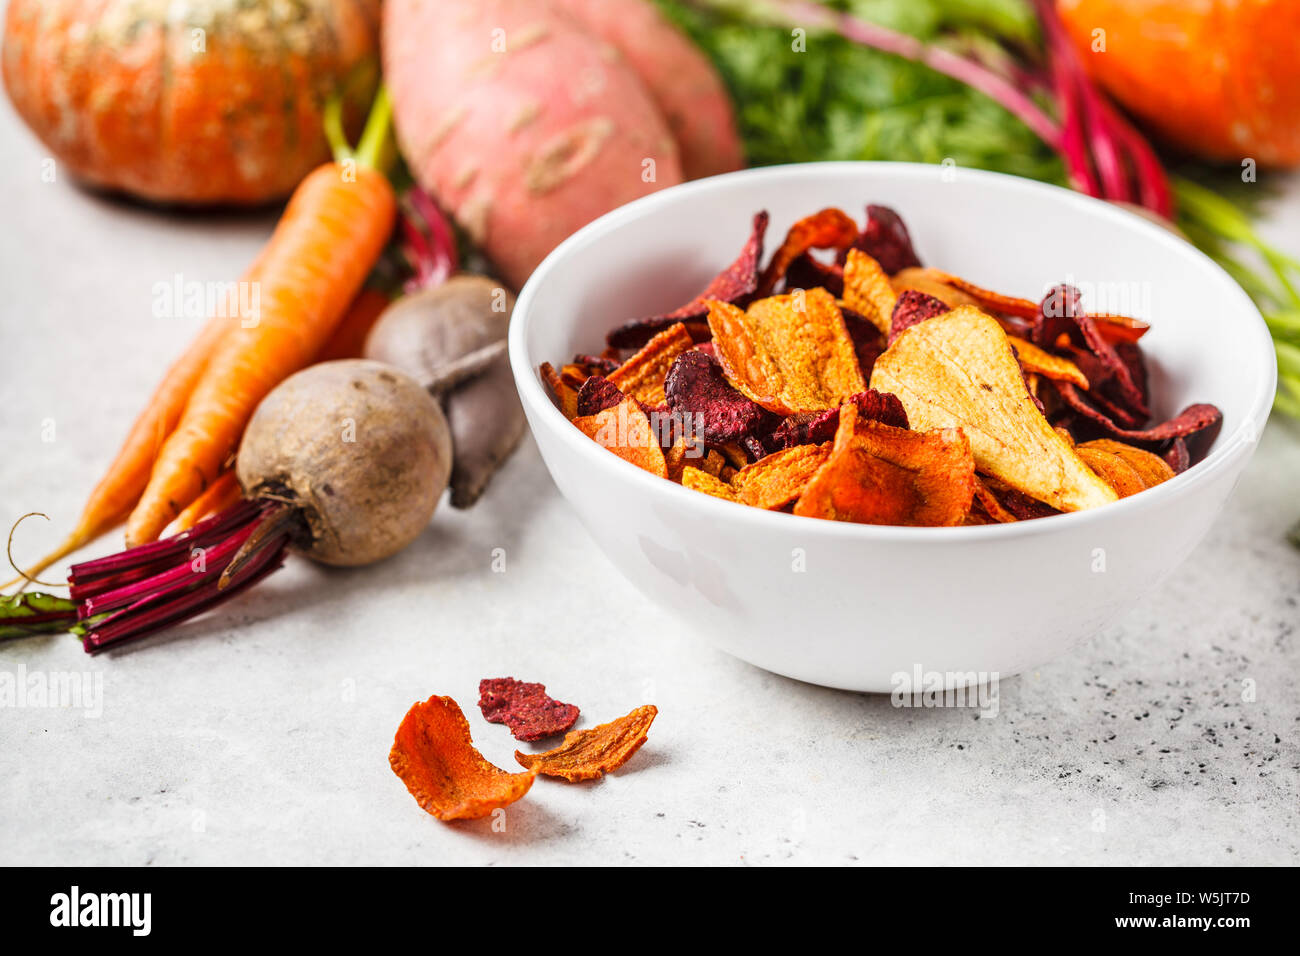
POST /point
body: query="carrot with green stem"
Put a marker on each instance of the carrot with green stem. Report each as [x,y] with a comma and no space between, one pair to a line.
[330,236]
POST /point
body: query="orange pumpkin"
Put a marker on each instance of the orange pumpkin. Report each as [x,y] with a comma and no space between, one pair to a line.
[1220,78]
[208,101]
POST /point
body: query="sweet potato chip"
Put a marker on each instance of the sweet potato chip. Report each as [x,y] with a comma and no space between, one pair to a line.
[626,431]
[699,480]
[1125,468]
[588,754]
[778,479]
[877,474]
[435,757]
[525,708]
[565,395]
[642,376]
[923,280]
[789,353]
[827,229]
[867,290]
[1034,360]
[958,370]
[735,284]
[885,239]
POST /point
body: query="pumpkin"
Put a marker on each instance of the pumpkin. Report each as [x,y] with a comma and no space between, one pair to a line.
[201,102]
[1219,78]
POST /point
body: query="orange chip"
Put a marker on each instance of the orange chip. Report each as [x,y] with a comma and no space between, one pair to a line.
[879,474]
[789,353]
[642,376]
[958,370]
[778,479]
[564,394]
[989,502]
[681,456]
[435,757]
[626,431]
[1038,362]
[699,480]
[1114,328]
[827,229]
[1126,469]
[588,754]
[922,280]
[867,290]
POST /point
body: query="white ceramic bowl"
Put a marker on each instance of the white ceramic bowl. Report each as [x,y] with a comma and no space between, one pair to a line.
[849,605]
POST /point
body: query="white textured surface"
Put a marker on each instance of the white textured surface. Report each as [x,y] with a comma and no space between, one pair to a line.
[260,735]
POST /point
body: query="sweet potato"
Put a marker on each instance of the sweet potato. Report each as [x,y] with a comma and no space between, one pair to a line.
[682,81]
[520,124]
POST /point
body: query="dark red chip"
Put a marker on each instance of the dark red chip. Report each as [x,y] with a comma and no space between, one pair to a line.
[696,385]
[1178,457]
[734,284]
[598,364]
[885,239]
[809,273]
[814,428]
[1060,313]
[868,343]
[597,394]
[1020,504]
[525,708]
[1197,425]
[913,306]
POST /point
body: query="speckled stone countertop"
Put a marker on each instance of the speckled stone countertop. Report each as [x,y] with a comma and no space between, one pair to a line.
[260,735]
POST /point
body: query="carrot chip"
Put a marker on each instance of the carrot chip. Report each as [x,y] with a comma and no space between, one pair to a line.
[642,376]
[958,370]
[1126,469]
[565,395]
[775,480]
[588,754]
[699,480]
[789,353]
[827,229]
[867,290]
[436,759]
[626,431]
[878,474]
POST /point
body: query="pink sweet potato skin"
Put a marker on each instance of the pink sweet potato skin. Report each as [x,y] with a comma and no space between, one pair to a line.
[519,122]
[682,81]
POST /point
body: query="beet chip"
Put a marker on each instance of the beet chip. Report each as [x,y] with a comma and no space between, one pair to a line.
[1060,313]
[735,284]
[913,307]
[1197,425]
[588,754]
[525,708]
[818,427]
[435,757]
[696,386]
[597,394]
[868,343]
[886,240]
[809,273]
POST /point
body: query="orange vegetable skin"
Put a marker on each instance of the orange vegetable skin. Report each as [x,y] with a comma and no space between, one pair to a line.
[193,103]
[1218,78]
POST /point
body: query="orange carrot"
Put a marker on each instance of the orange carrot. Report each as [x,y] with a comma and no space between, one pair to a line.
[221,494]
[329,237]
[350,337]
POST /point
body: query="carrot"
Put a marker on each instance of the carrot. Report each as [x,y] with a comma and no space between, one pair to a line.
[221,494]
[349,338]
[331,234]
